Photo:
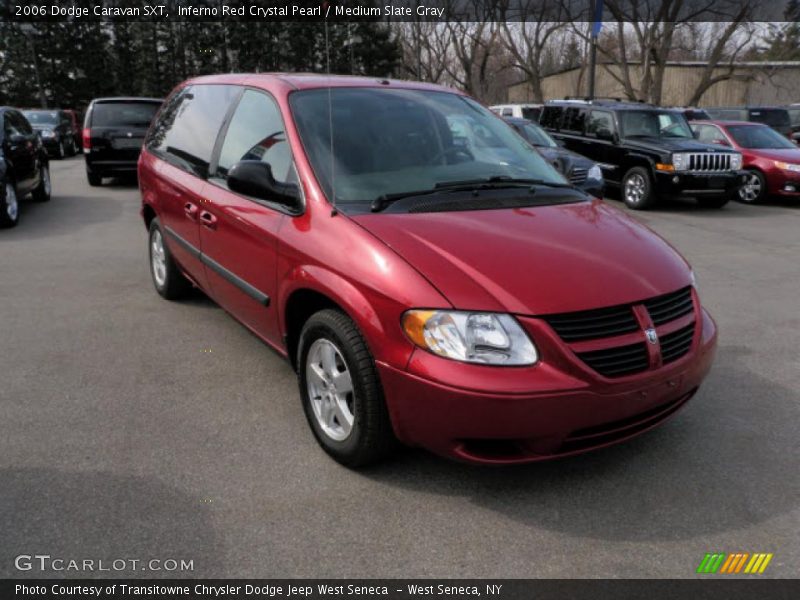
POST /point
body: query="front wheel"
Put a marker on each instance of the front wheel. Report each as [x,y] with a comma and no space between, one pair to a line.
[754,188]
[62,151]
[340,390]
[44,189]
[167,277]
[9,206]
[637,189]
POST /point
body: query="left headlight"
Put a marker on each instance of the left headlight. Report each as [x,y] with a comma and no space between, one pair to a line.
[736,161]
[595,173]
[787,166]
[473,337]
[48,133]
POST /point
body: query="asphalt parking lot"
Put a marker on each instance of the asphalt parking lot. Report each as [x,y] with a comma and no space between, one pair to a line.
[135,428]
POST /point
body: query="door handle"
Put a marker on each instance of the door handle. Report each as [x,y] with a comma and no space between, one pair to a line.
[208,220]
[190,210]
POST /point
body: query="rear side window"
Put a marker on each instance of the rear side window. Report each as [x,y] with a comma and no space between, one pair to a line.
[187,128]
[600,122]
[551,117]
[574,119]
[256,132]
[508,112]
[532,114]
[123,114]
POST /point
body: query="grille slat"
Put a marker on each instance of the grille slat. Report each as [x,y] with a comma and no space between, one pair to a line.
[615,362]
[578,175]
[669,307]
[677,344]
[594,324]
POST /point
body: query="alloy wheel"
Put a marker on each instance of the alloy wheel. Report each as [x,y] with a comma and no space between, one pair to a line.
[635,188]
[751,190]
[158,259]
[12,205]
[330,389]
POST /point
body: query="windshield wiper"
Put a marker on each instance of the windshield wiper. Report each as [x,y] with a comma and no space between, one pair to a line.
[444,187]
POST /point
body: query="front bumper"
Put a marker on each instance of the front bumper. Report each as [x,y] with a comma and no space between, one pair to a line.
[699,184]
[550,410]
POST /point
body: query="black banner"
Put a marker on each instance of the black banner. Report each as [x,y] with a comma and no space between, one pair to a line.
[750,588]
[26,11]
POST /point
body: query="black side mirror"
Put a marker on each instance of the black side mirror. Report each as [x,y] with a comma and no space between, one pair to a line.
[254,178]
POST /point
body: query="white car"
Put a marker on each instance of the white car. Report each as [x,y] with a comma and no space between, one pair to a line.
[520,111]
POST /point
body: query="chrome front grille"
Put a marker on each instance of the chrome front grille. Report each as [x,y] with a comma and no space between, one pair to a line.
[708,161]
[578,175]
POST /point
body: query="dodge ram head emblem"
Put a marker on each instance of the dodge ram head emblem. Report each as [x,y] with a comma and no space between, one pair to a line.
[652,336]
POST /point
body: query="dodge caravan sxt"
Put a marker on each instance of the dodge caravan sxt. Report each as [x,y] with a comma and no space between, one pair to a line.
[462,298]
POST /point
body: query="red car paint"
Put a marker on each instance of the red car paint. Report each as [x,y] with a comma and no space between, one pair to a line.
[530,262]
[764,159]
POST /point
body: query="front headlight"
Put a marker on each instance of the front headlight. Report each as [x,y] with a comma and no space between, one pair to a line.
[787,166]
[595,173]
[485,338]
[736,161]
[48,133]
[680,161]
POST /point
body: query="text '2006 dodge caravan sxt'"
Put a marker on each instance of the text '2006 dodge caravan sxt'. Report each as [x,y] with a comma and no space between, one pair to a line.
[448,291]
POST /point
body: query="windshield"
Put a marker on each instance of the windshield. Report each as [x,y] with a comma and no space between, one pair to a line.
[750,136]
[397,141]
[652,123]
[123,114]
[794,116]
[538,137]
[41,117]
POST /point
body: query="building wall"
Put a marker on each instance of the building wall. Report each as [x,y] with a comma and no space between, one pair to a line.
[773,85]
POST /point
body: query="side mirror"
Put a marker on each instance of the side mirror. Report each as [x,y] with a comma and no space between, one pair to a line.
[721,143]
[254,178]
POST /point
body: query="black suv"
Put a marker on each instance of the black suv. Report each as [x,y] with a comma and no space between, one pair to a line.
[646,151]
[55,128]
[113,133]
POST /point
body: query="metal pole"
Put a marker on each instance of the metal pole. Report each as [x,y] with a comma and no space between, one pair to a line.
[592,66]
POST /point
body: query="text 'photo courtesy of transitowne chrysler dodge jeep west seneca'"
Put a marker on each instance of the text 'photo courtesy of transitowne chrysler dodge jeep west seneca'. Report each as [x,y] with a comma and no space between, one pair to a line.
[461,297]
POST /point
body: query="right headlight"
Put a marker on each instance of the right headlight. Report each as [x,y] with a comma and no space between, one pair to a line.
[680,161]
[473,337]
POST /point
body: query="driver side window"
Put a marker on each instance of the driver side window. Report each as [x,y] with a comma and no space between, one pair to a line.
[256,132]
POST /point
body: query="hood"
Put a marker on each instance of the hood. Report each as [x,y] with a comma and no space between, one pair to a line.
[564,157]
[538,260]
[786,154]
[675,145]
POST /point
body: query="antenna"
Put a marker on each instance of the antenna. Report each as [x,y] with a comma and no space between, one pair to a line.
[334,212]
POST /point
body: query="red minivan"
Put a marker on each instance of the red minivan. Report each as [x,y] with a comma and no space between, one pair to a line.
[460,297]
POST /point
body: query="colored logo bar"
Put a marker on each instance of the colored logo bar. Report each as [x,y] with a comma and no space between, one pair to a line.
[738,562]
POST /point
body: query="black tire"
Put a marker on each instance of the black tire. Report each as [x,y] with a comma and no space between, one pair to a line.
[95,179]
[8,218]
[73,149]
[713,202]
[754,190]
[174,285]
[62,151]
[637,189]
[371,438]
[44,189]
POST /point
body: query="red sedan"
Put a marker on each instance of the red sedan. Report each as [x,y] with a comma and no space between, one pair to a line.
[460,297]
[772,160]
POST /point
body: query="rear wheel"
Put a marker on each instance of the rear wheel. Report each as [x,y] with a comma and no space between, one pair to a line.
[340,390]
[62,151]
[754,189]
[45,187]
[9,206]
[637,189]
[167,277]
[95,179]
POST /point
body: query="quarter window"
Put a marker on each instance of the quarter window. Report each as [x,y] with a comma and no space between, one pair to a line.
[187,128]
[551,117]
[256,132]
[574,119]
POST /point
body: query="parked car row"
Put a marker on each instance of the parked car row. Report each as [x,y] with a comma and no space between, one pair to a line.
[58,131]
[649,152]
[24,167]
